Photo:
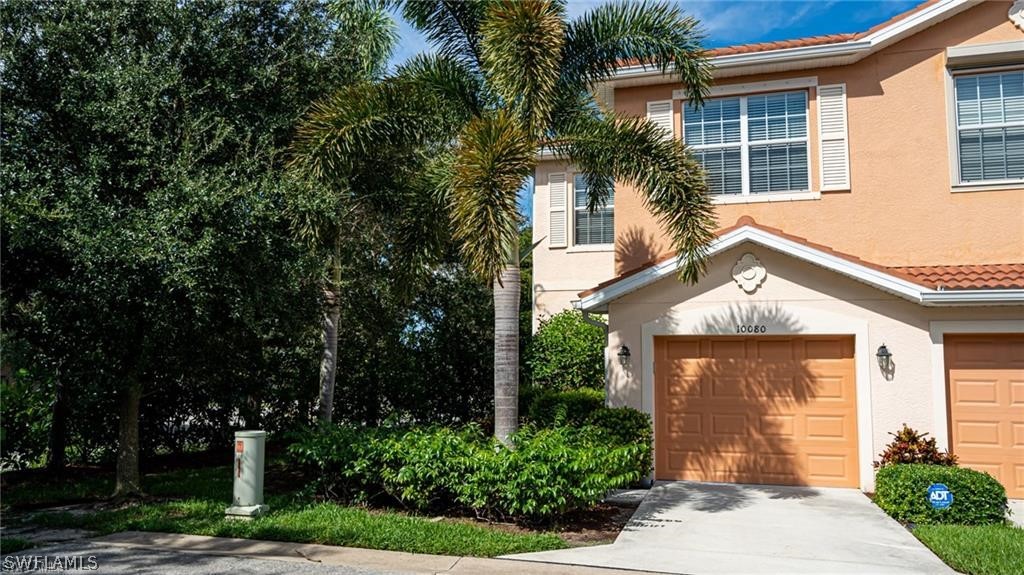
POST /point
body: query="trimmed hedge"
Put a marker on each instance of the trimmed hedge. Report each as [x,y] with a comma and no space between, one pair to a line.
[549,472]
[566,353]
[901,490]
[551,407]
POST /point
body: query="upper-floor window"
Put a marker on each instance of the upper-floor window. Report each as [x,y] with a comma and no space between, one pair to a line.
[591,228]
[990,127]
[751,144]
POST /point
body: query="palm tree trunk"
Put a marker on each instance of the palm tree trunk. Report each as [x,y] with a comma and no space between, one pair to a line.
[329,361]
[128,483]
[506,353]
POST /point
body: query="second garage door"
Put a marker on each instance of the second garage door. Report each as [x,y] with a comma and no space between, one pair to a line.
[985,374]
[772,410]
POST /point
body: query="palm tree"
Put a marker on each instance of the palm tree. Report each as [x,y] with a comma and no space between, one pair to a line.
[511,78]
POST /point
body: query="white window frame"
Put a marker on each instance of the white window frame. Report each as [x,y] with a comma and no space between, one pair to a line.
[954,132]
[573,246]
[745,195]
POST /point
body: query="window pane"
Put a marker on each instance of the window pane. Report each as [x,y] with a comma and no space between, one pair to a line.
[596,228]
[1013,96]
[579,186]
[777,116]
[718,122]
[967,100]
[990,97]
[778,168]
[1015,152]
[970,155]
[724,169]
[993,156]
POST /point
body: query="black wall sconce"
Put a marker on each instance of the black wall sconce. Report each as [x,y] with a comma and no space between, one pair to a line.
[624,355]
[885,362]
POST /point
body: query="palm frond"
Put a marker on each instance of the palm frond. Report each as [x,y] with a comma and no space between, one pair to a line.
[493,158]
[356,123]
[652,34]
[671,183]
[451,25]
[521,49]
[453,82]
[373,30]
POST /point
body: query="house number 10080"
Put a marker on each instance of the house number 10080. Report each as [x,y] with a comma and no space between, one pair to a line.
[751,329]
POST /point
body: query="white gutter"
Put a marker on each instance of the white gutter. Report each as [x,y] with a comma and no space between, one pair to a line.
[973,297]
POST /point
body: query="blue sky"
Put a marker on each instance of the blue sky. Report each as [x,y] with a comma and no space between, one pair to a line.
[728,22]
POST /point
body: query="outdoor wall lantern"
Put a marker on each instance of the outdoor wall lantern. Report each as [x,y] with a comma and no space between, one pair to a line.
[885,361]
[624,355]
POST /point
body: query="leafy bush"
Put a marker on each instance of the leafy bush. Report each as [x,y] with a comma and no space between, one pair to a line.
[626,426]
[550,407]
[909,446]
[567,353]
[25,413]
[902,492]
[548,472]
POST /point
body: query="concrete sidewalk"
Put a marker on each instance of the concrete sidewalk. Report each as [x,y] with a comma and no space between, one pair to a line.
[368,560]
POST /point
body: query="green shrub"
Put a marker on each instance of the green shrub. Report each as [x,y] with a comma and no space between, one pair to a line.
[567,353]
[549,471]
[902,492]
[909,446]
[626,426]
[552,408]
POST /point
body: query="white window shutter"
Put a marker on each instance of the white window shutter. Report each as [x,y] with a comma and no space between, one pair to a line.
[832,134]
[557,193]
[660,114]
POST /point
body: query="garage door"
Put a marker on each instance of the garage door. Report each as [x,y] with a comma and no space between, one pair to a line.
[772,410]
[985,374]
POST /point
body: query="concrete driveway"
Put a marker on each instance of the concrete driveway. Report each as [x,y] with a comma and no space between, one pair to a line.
[696,528]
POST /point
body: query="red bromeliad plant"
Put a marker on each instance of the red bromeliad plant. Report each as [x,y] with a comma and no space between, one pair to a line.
[910,446]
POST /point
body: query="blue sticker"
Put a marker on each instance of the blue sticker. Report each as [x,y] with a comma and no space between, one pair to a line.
[939,496]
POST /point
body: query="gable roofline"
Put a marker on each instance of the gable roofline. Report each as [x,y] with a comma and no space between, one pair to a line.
[746,230]
[810,52]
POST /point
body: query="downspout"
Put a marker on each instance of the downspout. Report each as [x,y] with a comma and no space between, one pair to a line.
[594,322]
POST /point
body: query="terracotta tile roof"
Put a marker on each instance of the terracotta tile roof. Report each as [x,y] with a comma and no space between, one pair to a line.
[814,40]
[781,44]
[985,276]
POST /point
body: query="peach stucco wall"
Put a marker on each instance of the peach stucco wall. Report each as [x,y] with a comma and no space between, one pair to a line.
[901,209]
[795,298]
[559,274]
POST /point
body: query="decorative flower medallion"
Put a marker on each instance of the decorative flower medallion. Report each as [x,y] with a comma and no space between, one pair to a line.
[1016,14]
[749,273]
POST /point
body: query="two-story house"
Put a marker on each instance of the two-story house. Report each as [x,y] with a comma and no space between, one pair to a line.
[869,269]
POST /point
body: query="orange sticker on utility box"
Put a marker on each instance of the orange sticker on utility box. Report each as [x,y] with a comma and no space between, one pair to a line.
[239,446]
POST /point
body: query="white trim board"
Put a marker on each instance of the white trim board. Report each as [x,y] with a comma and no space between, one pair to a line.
[813,322]
[753,87]
[938,330]
[916,293]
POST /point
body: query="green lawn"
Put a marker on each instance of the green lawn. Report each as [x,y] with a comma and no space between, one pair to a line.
[13,545]
[981,550]
[205,493]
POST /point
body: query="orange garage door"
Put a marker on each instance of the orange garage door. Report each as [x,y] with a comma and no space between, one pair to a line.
[985,374]
[775,410]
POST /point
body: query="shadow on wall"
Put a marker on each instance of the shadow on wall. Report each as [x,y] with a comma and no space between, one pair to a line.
[770,410]
[634,248]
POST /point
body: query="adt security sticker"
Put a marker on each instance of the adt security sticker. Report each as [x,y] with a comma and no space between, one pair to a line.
[939,496]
